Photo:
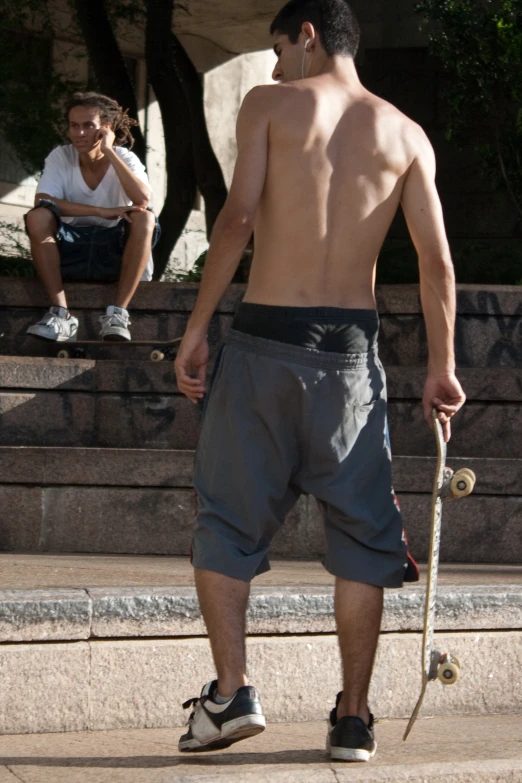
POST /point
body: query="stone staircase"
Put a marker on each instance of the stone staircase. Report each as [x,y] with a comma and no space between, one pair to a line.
[96,458]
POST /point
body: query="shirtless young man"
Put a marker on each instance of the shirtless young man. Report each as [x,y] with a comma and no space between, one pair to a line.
[298,402]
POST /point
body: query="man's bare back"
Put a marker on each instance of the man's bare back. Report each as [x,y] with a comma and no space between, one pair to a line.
[338,157]
[322,167]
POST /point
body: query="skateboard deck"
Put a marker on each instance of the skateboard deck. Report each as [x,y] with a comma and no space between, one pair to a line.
[437,664]
[160,350]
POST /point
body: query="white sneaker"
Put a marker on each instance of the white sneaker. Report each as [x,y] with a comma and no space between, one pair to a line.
[115,324]
[56,325]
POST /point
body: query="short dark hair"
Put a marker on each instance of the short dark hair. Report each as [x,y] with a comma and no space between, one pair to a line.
[110,113]
[334,21]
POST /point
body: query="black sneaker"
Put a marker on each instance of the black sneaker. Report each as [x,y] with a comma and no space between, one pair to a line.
[214,726]
[349,739]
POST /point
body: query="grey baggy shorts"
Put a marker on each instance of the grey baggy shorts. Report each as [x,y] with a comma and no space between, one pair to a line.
[282,420]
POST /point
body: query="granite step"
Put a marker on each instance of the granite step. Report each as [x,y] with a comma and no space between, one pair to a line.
[134,421]
[141,502]
[110,404]
[132,375]
[111,467]
[469,749]
[487,329]
[487,600]
[93,657]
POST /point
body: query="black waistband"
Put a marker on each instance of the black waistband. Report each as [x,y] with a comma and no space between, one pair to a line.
[332,329]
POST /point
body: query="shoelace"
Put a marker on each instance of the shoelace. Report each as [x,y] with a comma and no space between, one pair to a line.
[50,319]
[119,319]
[191,703]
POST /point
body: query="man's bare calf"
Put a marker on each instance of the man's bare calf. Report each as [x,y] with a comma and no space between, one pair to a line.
[358,612]
[223,603]
[135,255]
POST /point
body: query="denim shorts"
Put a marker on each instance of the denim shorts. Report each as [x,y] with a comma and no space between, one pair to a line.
[90,253]
[283,420]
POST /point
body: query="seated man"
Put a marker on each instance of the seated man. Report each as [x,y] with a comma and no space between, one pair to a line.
[91,221]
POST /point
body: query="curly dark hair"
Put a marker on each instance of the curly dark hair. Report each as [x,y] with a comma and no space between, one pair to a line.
[110,113]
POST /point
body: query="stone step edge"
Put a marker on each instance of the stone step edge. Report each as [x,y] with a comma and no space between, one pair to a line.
[400,299]
[493,384]
[496,770]
[172,468]
[490,771]
[134,612]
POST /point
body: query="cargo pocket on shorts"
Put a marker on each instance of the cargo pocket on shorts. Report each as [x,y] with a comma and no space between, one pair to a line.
[364,387]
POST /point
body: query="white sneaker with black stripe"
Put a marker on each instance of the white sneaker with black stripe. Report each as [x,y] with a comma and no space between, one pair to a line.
[214,726]
[115,324]
[57,324]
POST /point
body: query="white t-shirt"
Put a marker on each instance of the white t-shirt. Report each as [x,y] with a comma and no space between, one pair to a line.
[62,178]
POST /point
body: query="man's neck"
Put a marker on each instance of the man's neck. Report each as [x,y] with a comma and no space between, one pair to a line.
[341,68]
[92,158]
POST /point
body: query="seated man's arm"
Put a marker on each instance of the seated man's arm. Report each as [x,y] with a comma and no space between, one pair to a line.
[136,189]
[423,213]
[75,209]
[52,186]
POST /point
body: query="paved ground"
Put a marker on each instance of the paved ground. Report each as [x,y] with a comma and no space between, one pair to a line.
[39,571]
[442,749]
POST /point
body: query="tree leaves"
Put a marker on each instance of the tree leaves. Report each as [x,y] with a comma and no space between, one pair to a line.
[479,43]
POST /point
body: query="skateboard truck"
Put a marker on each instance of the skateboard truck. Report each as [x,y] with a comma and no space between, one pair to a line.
[444,667]
[437,665]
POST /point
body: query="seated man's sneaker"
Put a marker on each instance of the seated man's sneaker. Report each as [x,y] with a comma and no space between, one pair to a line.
[214,726]
[115,324]
[349,739]
[57,325]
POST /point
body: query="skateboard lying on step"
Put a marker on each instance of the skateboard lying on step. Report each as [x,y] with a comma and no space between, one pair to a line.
[79,349]
[437,664]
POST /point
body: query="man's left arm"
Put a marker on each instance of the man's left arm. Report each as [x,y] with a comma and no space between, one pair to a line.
[230,237]
[135,189]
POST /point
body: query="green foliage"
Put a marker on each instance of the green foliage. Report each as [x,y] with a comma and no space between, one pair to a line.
[16,267]
[31,92]
[194,274]
[13,241]
[480,261]
[15,257]
[133,11]
[479,43]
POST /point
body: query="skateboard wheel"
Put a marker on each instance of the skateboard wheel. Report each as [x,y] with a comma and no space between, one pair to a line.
[449,670]
[63,353]
[462,483]
[157,356]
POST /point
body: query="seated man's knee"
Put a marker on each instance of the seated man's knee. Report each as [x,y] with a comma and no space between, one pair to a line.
[142,221]
[40,222]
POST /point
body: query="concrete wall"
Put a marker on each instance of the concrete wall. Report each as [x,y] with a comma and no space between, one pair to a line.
[225,87]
